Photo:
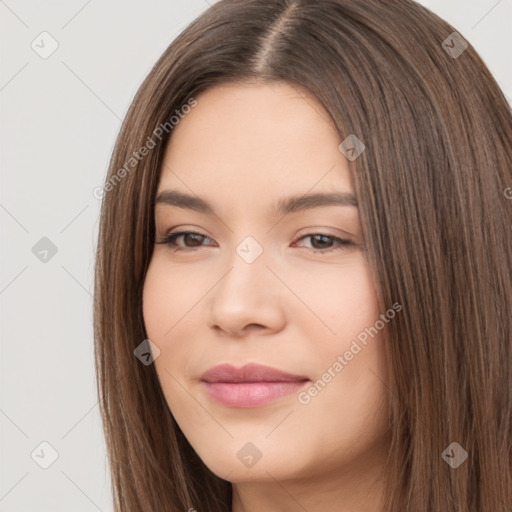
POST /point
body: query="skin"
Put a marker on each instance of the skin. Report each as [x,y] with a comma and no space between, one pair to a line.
[296,307]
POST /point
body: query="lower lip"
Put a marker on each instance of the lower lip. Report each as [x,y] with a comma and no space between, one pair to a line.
[251,394]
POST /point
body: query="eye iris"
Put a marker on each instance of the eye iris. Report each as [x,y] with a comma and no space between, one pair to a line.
[327,240]
[198,238]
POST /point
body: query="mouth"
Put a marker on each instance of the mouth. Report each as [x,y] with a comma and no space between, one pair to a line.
[252,385]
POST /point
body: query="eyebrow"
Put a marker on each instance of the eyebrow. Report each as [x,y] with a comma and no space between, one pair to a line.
[282,207]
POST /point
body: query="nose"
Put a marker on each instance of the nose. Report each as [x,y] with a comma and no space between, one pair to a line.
[247,298]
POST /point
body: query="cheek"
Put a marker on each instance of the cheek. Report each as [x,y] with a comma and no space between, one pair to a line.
[154,300]
[166,301]
[341,298]
[171,308]
[167,296]
[350,362]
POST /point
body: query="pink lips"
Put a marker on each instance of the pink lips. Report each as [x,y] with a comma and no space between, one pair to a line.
[251,385]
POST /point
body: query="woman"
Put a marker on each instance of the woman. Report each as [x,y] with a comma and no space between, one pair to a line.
[242,363]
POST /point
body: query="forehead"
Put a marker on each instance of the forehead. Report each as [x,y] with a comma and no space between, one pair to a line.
[255,142]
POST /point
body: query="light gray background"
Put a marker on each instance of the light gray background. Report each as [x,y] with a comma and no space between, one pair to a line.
[59,119]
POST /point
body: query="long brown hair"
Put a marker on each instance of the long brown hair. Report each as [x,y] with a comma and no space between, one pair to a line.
[437,221]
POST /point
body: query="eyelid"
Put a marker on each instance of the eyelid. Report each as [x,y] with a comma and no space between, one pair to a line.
[336,232]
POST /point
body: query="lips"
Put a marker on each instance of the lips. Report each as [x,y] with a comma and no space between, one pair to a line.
[252,385]
[251,372]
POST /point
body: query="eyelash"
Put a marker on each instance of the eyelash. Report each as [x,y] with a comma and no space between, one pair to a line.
[169,240]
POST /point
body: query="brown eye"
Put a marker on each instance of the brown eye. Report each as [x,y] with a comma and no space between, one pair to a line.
[322,242]
[192,239]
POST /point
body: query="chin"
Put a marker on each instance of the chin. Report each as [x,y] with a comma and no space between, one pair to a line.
[244,462]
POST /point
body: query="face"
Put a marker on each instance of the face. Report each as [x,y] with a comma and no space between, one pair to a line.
[242,281]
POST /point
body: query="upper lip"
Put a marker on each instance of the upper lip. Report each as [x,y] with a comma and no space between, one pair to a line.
[251,372]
